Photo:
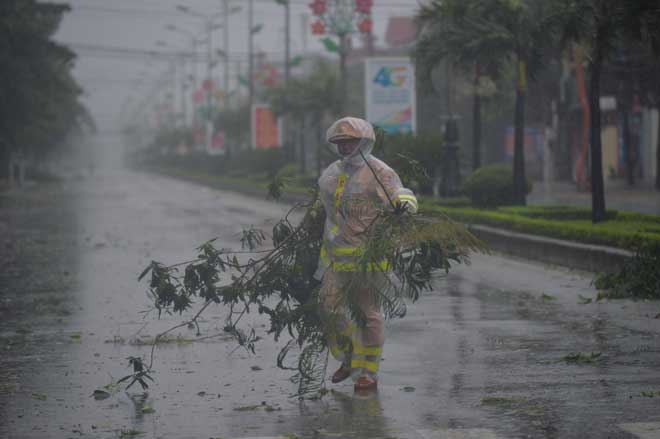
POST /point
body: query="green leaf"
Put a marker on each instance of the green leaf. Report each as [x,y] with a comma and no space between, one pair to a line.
[146,270]
[584,300]
[330,45]
[295,61]
[100,394]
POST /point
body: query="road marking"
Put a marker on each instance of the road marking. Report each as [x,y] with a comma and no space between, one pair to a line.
[463,433]
[643,430]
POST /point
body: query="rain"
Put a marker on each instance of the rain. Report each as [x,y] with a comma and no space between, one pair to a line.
[288,219]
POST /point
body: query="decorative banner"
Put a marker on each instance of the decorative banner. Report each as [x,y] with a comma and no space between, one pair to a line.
[198,96]
[208,85]
[266,130]
[217,144]
[390,94]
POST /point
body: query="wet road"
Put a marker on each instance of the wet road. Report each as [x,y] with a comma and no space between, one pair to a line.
[482,356]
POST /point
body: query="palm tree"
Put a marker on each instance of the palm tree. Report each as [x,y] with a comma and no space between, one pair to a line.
[649,33]
[443,36]
[516,31]
[602,26]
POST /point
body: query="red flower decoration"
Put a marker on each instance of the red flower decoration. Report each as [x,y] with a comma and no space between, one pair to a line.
[366,26]
[363,6]
[318,7]
[318,27]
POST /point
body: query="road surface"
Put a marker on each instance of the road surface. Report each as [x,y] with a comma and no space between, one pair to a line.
[481,356]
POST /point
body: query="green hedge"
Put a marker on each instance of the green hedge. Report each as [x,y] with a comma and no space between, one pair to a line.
[627,230]
[492,186]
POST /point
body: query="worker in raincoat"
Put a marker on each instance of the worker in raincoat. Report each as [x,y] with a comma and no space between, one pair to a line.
[353,199]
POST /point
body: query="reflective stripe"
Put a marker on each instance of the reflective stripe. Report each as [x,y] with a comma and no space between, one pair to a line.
[347,251]
[364,364]
[335,229]
[336,350]
[374,351]
[324,255]
[408,199]
[341,185]
[351,266]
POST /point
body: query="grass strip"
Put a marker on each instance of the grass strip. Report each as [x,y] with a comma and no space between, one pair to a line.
[625,230]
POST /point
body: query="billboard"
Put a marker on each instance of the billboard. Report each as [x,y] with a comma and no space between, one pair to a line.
[390,94]
[266,129]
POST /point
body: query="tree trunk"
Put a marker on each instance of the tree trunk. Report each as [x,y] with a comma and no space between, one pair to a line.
[343,73]
[519,179]
[476,124]
[302,145]
[657,104]
[657,155]
[627,142]
[319,144]
[4,160]
[597,187]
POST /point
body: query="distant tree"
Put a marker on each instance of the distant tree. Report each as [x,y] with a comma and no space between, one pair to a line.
[39,102]
[308,98]
[446,27]
[517,31]
[603,27]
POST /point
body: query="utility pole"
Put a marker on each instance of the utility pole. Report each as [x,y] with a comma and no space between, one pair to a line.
[184,106]
[225,42]
[288,144]
[209,84]
[287,41]
[194,81]
[250,50]
[250,60]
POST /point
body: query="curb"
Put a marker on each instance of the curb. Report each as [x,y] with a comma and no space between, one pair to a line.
[588,257]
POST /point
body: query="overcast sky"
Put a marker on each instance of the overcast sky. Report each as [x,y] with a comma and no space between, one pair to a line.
[139,24]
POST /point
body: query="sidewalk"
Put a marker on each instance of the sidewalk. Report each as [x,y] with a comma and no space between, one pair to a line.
[618,195]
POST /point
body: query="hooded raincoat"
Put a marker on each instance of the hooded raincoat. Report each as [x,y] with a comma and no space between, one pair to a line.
[353,198]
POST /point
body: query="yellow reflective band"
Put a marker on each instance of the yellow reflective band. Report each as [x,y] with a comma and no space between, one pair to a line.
[336,350]
[324,255]
[350,328]
[335,229]
[341,185]
[373,351]
[405,197]
[351,266]
[364,364]
[348,251]
[408,199]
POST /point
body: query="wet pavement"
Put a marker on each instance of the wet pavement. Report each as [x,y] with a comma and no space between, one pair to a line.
[484,355]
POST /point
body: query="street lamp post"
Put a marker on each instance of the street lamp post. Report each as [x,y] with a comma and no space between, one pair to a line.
[341,18]
[193,44]
[208,83]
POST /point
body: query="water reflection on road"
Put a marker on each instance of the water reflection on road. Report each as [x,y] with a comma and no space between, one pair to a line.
[480,355]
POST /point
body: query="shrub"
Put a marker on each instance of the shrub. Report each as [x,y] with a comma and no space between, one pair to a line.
[638,279]
[492,186]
